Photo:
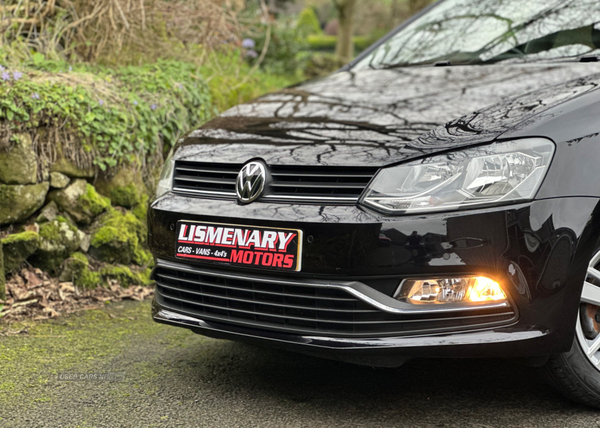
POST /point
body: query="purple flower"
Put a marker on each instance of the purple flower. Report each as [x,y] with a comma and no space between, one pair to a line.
[17,75]
[101,102]
[248,44]
[35,96]
[5,76]
[2,67]
[153,106]
[252,54]
[135,103]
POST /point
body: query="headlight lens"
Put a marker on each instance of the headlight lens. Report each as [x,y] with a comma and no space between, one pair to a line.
[500,172]
[166,177]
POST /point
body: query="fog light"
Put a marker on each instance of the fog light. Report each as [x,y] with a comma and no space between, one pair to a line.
[450,290]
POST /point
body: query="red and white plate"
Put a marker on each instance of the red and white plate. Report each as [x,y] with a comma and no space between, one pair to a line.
[251,246]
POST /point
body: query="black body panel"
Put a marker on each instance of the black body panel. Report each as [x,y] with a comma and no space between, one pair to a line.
[538,250]
[547,243]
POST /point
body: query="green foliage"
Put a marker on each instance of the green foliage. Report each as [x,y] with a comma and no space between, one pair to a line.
[308,23]
[322,42]
[232,82]
[116,115]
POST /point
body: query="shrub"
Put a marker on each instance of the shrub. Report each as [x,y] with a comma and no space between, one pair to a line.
[323,42]
[285,44]
[101,115]
[308,23]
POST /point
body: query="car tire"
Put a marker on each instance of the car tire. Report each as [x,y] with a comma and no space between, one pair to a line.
[576,373]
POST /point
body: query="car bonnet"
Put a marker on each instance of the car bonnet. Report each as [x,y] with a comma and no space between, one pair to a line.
[382,117]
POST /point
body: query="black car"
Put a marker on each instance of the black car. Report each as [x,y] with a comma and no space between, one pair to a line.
[437,197]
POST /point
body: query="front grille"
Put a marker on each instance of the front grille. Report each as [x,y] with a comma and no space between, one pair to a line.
[313,184]
[205,178]
[292,307]
[319,183]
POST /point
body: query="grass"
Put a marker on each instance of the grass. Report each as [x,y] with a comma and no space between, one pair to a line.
[77,343]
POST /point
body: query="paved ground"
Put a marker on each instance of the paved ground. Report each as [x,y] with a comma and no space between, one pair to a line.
[176,379]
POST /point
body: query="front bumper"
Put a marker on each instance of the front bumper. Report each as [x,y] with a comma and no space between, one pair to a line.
[538,251]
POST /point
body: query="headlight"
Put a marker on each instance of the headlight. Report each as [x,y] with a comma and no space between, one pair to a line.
[496,173]
[166,177]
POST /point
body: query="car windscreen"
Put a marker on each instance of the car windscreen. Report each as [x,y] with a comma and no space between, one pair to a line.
[489,31]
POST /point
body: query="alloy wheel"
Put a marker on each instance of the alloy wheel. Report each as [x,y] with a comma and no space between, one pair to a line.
[588,325]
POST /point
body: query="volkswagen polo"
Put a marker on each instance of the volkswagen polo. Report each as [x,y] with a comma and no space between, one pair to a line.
[437,197]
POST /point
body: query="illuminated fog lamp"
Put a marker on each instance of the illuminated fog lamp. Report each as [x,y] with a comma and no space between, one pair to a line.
[486,290]
[469,289]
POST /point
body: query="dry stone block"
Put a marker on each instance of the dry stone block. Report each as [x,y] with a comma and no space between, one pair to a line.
[18,202]
[18,163]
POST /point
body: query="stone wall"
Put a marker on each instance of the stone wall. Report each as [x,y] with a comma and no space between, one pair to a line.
[70,223]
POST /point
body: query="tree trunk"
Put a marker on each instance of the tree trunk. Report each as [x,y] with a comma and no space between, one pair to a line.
[345,45]
[395,13]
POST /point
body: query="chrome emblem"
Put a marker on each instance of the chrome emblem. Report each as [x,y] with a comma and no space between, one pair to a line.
[250,182]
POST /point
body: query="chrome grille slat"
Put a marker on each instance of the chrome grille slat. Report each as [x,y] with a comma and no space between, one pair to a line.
[322,174]
[267,314]
[297,307]
[208,170]
[207,180]
[298,296]
[318,185]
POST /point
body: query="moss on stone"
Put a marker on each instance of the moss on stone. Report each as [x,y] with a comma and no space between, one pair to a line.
[80,200]
[18,248]
[18,164]
[125,196]
[143,257]
[77,269]
[2,275]
[88,279]
[126,188]
[120,238]
[58,239]
[125,276]
[141,209]
[93,202]
[109,235]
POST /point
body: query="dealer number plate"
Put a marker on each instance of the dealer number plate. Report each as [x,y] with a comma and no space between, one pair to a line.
[251,246]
